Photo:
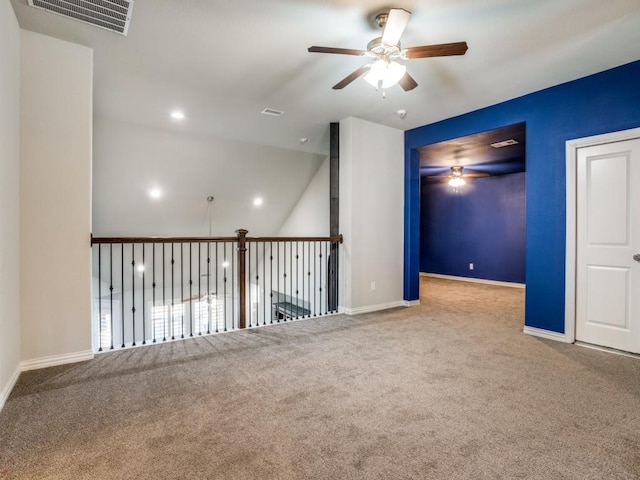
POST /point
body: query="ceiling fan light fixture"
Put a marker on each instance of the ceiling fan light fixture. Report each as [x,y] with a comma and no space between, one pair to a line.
[387,73]
[456,182]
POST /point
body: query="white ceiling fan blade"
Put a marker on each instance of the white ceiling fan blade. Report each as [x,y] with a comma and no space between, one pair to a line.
[396,23]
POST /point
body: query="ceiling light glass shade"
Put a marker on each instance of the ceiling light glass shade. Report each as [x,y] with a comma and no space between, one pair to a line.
[457,182]
[389,73]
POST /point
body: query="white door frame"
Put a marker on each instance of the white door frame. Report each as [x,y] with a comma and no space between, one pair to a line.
[572,147]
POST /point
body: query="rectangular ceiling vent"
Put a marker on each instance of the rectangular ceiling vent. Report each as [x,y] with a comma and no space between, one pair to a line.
[504,143]
[113,15]
[272,112]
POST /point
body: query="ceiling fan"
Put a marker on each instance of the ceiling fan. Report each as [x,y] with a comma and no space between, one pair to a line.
[457,177]
[385,71]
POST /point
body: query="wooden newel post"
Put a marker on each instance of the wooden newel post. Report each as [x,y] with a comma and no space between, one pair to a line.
[242,275]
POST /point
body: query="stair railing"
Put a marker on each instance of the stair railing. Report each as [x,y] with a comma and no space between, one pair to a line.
[154,289]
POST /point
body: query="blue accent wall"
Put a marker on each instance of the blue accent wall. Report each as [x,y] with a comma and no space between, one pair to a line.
[600,103]
[482,223]
[411,285]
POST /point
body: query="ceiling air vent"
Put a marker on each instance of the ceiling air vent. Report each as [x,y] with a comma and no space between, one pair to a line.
[271,111]
[504,143]
[111,15]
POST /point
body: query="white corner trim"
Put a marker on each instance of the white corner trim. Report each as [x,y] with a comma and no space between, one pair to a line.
[571,149]
[474,280]
[571,209]
[55,360]
[6,391]
[372,308]
[411,303]
[548,334]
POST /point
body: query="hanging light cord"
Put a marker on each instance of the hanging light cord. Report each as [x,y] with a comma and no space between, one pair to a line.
[208,215]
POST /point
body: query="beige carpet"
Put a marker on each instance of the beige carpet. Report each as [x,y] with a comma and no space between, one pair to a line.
[451,389]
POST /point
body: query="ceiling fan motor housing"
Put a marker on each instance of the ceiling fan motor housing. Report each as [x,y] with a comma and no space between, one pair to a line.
[376,48]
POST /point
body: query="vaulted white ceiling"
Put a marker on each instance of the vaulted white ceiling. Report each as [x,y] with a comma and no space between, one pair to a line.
[223,62]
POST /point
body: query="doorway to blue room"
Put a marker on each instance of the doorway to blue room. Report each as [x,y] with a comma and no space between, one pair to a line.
[472,207]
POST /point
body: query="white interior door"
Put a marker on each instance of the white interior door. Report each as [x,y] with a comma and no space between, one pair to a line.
[608,238]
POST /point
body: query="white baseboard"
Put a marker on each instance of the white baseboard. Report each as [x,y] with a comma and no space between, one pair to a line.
[372,308]
[55,360]
[548,334]
[608,350]
[6,391]
[474,280]
[43,362]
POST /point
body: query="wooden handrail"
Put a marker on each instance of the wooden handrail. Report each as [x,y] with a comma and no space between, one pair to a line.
[127,240]
[96,240]
[337,238]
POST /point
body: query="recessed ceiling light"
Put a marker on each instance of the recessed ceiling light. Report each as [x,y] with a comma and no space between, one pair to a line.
[155,193]
[257,202]
[177,114]
[225,264]
[303,140]
[140,268]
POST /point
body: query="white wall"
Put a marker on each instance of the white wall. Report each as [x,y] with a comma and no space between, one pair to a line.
[310,216]
[371,215]
[9,199]
[130,159]
[55,199]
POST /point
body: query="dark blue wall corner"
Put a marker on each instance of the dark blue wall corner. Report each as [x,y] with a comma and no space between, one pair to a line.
[411,287]
[483,223]
[600,103]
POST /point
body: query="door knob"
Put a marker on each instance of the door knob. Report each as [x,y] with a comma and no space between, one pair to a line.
[636,257]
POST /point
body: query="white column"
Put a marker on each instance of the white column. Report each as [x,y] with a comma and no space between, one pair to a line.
[55,200]
[9,199]
[371,215]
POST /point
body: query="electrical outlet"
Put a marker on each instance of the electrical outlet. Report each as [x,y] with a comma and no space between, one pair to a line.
[373,286]
[471,266]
